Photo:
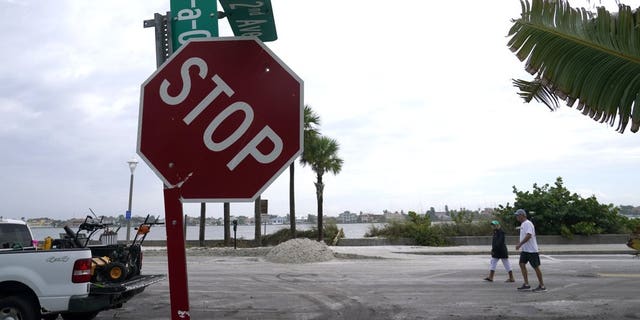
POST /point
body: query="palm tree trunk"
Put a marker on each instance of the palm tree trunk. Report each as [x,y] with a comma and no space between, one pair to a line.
[292,201]
[319,191]
[257,220]
[227,223]
[203,219]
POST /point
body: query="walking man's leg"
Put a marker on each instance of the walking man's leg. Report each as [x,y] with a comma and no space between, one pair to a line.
[539,275]
[525,276]
[523,268]
[535,264]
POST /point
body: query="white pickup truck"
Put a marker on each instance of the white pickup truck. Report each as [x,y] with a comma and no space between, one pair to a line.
[42,284]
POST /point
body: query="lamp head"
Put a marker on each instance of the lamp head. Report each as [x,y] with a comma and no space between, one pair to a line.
[132,164]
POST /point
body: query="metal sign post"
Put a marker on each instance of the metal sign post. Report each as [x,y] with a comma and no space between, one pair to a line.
[187,17]
[176,253]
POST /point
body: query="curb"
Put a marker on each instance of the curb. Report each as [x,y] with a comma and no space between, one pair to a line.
[561,252]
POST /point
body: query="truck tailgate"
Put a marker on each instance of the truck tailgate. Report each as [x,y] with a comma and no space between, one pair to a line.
[132,284]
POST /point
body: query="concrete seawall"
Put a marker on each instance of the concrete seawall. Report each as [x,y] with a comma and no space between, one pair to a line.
[578,239]
[456,241]
[486,240]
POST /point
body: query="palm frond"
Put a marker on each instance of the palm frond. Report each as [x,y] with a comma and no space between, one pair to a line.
[580,56]
[322,155]
[311,123]
[530,90]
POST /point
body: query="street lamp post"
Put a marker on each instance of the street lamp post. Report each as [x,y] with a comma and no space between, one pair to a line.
[132,166]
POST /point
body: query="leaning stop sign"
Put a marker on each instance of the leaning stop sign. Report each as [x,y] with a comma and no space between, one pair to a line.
[221,119]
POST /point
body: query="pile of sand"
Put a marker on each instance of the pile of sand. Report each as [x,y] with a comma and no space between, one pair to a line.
[300,251]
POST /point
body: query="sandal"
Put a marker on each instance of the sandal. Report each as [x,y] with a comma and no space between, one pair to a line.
[487,279]
[510,280]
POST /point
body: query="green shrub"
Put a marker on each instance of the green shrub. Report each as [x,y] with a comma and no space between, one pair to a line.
[632,225]
[555,210]
[416,227]
[464,229]
[330,231]
[566,232]
[392,230]
[429,236]
[586,228]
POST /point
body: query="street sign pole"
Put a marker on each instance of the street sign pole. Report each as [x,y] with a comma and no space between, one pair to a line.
[188,22]
[176,254]
[265,91]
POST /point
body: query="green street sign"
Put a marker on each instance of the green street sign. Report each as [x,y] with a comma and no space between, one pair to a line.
[192,19]
[251,18]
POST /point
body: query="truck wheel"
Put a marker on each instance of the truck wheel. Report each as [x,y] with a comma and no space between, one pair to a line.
[79,315]
[18,308]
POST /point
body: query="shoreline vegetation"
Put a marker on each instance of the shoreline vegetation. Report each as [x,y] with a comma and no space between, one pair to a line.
[553,209]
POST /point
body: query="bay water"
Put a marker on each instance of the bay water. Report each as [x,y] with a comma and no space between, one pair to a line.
[158,232]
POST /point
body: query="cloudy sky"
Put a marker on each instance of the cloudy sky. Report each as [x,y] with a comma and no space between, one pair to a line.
[417,93]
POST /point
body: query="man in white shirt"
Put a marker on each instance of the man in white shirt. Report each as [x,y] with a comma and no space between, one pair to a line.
[529,251]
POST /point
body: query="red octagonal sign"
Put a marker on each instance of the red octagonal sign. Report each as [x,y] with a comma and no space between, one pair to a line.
[221,119]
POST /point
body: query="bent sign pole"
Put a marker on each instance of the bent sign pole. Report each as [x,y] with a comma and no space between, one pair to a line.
[176,254]
[191,20]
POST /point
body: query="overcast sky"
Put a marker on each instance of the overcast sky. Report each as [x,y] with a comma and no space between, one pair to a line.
[417,93]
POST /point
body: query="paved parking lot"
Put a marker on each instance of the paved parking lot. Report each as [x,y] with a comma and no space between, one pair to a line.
[403,286]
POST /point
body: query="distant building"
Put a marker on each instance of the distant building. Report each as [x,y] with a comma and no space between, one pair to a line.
[487,211]
[370,218]
[442,216]
[391,216]
[347,217]
[74,222]
[276,220]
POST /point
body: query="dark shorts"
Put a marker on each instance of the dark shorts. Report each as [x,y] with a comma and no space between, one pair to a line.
[532,257]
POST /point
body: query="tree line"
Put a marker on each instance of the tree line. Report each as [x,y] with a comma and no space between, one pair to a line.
[553,209]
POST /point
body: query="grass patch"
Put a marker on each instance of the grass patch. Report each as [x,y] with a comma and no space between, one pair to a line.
[330,232]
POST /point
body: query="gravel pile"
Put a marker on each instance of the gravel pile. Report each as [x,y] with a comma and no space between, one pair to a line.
[300,251]
[227,251]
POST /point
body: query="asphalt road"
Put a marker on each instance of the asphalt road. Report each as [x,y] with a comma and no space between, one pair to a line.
[407,287]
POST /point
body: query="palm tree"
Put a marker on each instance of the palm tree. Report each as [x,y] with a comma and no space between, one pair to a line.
[580,56]
[226,221]
[321,153]
[203,220]
[311,123]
